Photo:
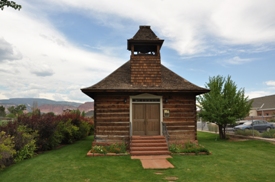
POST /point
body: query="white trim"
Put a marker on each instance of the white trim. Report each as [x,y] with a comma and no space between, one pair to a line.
[146,96]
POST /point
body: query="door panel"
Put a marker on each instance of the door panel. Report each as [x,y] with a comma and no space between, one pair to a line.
[146,119]
[153,119]
[138,119]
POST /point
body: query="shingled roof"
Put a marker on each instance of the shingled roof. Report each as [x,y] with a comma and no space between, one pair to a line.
[120,81]
[264,103]
[144,34]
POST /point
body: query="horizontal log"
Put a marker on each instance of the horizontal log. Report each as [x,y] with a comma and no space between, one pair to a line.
[110,104]
[113,117]
[112,109]
[178,127]
[180,123]
[112,132]
[113,124]
[112,114]
[112,120]
[112,128]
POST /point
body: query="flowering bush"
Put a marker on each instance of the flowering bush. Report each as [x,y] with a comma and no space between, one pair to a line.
[112,148]
[99,149]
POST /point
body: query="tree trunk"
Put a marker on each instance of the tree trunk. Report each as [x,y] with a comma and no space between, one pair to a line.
[222,132]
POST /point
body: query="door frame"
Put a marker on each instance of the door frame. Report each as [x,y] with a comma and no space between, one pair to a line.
[145,97]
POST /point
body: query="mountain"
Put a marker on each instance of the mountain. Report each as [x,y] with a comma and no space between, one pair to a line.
[46,105]
[31,101]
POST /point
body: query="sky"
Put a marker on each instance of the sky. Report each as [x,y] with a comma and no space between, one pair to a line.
[51,49]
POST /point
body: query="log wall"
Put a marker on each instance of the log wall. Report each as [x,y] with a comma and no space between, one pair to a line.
[181,124]
[112,122]
[112,117]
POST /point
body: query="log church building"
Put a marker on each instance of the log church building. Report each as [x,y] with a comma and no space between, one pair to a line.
[143,99]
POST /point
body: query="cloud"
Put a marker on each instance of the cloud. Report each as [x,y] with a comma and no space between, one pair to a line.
[187,25]
[33,45]
[7,51]
[50,56]
[237,60]
[256,94]
[43,70]
[270,83]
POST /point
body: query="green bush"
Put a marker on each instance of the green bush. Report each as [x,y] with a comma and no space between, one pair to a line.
[83,131]
[188,147]
[25,143]
[6,149]
[269,134]
[116,148]
[247,132]
[67,131]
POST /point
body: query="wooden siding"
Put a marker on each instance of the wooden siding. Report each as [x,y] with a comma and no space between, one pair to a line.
[145,70]
[181,124]
[112,123]
[112,117]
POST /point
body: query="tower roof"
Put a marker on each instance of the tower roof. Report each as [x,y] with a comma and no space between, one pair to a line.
[144,36]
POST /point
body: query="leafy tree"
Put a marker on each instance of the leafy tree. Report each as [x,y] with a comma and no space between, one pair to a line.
[2,111]
[224,104]
[15,111]
[9,4]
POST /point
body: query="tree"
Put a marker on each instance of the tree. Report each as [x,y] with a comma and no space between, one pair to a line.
[2,111]
[224,104]
[9,4]
[15,111]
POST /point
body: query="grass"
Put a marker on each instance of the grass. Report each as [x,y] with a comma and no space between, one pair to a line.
[230,161]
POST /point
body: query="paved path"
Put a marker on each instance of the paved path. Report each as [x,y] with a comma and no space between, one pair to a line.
[154,161]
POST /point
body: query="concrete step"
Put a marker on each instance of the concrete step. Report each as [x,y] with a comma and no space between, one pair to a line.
[149,148]
[148,138]
[148,141]
[160,152]
[149,145]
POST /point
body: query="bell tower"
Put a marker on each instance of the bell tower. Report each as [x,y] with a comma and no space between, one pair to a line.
[145,57]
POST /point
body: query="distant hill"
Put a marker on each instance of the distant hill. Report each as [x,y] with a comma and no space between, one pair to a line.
[46,105]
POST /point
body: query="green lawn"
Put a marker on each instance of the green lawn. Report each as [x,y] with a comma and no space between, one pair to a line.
[230,161]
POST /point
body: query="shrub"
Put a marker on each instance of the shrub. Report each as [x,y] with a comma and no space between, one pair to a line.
[67,131]
[25,143]
[247,132]
[269,134]
[116,148]
[83,131]
[188,147]
[112,148]
[77,127]
[99,149]
[6,149]
[45,125]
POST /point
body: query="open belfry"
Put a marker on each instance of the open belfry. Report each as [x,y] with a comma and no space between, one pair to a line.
[144,102]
